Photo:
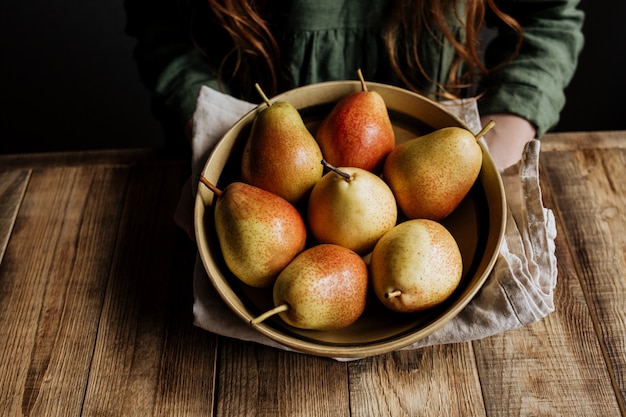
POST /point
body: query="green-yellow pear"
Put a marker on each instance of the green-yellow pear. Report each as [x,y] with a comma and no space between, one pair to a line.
[259,232]
[351,207]
[431,174]
[281,155]
[323,288]
[415,266]
[358,131]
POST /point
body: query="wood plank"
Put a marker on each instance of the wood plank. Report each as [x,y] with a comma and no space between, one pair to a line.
[186,380]
[555,366]
[187,371]
[148,358]
[570,141]
[256,380]
[590,192]
[433,381]
[51,288]
[12,188]
[73,158]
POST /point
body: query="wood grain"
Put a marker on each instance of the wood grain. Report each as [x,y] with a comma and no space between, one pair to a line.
[512,365]
[105,157]
[590,192]
[99,325]
[51,303]
[255,380]
[553,367]
[96,297]
[433,381]
[12,188]
[556,142]
[137,367]
[188,365]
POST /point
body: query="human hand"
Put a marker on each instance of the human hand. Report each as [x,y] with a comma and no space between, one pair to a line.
[507,139]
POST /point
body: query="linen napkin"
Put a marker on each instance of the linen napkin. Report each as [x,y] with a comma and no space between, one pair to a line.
[518,292]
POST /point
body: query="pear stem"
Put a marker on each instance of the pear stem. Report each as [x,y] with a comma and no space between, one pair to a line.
[262,94]
[210,186]
[360,74]
[269,313]
[392,294]
[485,129]
[337,171]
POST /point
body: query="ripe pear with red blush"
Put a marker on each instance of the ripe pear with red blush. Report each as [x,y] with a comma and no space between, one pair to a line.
[358,131]
[259,233]
[281,155]
[323,288]
[430,175]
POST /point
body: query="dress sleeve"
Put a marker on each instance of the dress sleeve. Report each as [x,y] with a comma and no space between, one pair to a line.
[168,64]
[532,85]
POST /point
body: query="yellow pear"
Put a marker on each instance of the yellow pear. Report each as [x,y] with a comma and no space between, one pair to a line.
[415,266]
[259,232]
[281,155]
[323,288]
[351,207]
[431,174]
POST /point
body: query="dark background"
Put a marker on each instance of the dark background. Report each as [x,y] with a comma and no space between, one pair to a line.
[68,80]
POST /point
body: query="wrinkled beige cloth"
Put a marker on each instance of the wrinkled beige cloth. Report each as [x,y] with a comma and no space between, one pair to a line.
[519,290]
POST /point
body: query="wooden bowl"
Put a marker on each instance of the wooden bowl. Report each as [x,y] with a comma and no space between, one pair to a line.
[477,225]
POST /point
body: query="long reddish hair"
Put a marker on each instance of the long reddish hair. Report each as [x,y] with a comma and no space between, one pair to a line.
[254,55]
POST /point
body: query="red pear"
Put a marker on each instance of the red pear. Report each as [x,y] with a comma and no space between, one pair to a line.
[281,155]
[259,232]
[323,288]
[358,131]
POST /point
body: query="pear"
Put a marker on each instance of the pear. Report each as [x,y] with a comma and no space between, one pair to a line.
[281,155]
[351,207]
[259,233]
[358,131]
[415,266]
[323,288]
[431,174]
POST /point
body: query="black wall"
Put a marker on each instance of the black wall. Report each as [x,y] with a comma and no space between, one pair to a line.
[596,94]
[68,81]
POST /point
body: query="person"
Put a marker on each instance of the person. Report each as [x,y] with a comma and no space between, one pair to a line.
[435,47]
[431,46]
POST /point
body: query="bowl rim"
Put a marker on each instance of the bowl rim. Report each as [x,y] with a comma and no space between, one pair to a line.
[334,90]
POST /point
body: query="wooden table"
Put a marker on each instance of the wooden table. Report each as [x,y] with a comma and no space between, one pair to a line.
[95,307]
